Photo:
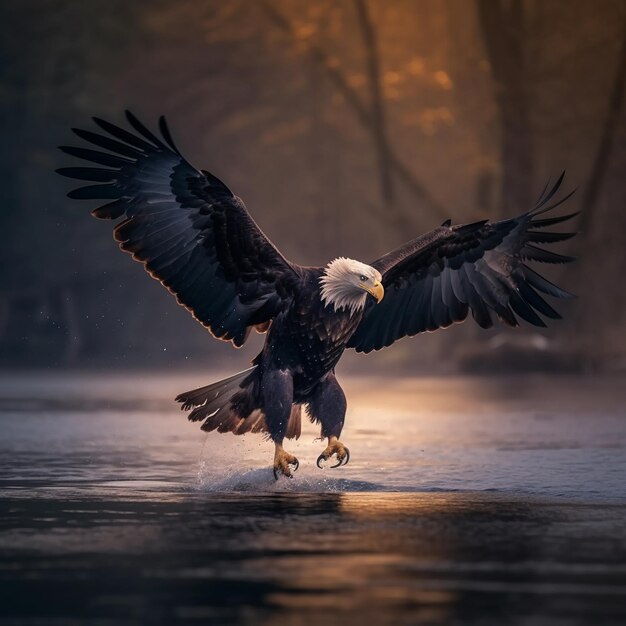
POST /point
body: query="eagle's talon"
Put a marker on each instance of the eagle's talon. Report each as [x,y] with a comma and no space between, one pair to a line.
[282,462]
[335,447]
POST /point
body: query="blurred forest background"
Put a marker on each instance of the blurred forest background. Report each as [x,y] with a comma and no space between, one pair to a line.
[348,127]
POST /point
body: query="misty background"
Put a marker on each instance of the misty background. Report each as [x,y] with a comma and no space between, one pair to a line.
[347,128]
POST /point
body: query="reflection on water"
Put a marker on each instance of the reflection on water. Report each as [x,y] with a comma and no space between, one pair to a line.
[281,558]
[119,512]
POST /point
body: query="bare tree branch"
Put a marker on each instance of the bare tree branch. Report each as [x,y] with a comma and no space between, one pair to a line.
[319,56]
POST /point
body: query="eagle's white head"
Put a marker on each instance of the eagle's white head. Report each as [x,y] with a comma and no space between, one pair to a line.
[346,283]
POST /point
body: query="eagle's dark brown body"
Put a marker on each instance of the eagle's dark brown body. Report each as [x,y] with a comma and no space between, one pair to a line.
[307,338]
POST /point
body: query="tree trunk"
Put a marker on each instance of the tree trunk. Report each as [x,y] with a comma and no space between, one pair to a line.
[379,124]
[605,145]
[516,152]
[600,344]
[502,26]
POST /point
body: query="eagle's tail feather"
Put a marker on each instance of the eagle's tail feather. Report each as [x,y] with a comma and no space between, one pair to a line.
[208,393]
[231,405]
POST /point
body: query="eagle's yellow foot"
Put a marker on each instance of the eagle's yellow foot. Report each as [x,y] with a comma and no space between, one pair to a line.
[282,462]
[338,449]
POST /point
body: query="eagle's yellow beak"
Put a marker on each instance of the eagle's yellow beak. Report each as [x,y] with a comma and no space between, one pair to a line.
[378,291]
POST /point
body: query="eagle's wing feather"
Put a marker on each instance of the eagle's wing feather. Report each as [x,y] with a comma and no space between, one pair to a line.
[435,280]
[186,227]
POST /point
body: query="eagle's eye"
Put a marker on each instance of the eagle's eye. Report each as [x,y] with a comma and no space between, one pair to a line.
[363,278]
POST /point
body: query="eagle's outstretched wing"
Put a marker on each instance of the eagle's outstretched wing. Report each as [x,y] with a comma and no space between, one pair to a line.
[436,279]
[186,227]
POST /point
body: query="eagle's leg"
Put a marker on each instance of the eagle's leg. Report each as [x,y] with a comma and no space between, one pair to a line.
[327,405]
[277,390]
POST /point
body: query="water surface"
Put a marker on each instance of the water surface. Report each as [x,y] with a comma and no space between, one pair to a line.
[466,501]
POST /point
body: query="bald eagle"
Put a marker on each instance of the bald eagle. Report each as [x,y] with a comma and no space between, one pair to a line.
[197,238]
